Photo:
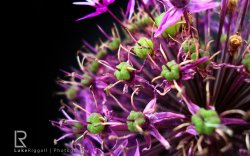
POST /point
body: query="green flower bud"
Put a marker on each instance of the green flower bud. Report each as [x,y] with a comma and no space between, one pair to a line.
[101,54]
[123,71]
[144,21]
[172,30]
[94,66]
[205,121]
[202,54]
[94,119]
[71,93]
[189,46]
[223,37]
[246,62]
[171,71]
[135,119]
[143,47]
[86,80]
[199,125]
[78,126]
[114,44]
[132,28]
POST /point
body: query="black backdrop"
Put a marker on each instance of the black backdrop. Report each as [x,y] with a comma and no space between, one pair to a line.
[42,38]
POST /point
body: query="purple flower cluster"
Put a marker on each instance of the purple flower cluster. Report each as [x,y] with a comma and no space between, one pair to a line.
[176,81]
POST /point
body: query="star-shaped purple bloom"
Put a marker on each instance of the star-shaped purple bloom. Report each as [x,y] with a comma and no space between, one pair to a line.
[131,7]
[177,8]
[100,7]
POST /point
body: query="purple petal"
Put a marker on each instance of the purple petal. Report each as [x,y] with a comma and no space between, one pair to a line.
[168,3]
[191,151]
[150,108]
[107,2]
[195,63]
[232,121]
[98,152]
[193,108]
[170,18]
[159,137]
[130,8]
[99,11]
[148,141]
[191,130]
[158,117]
[137,152]
[97,138]
[85,3]
[118,150]
[100,84]
[198,6]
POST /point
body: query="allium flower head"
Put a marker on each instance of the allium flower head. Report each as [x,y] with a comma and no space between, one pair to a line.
[173,82]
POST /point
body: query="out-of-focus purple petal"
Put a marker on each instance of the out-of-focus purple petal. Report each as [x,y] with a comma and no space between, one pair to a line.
[137,152]
[86,98]
[232,121]
[154,132]
[199,6]
[170,18]
[158,117]
[168,3]
[98,152]
[100,84]
[119,127]
[118,150]
[90,3]
[107,2]
[148,141]
[99,11]
[191,151]
[191,130]
[97,138]
[150,108]
[88,146]
[130,8]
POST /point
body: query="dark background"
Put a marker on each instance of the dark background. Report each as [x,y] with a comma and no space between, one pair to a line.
[42,38]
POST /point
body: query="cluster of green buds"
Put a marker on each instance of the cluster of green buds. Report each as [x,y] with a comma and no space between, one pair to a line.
[171,71]
[94,66]
[143,47]
[205,121]
[95,120]
[189,46]
[123,71]
[140,23]
[170,31]
[135,120]
[86,80]
[202,53]
[114,44]
[71,92]
[246,62]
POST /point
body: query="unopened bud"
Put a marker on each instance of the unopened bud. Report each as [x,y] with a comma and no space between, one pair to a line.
[232,4]
[235,42]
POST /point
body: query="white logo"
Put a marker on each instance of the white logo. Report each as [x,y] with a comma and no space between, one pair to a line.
[19,136]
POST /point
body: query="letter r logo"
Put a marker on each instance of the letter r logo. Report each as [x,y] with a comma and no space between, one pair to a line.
[19,136]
